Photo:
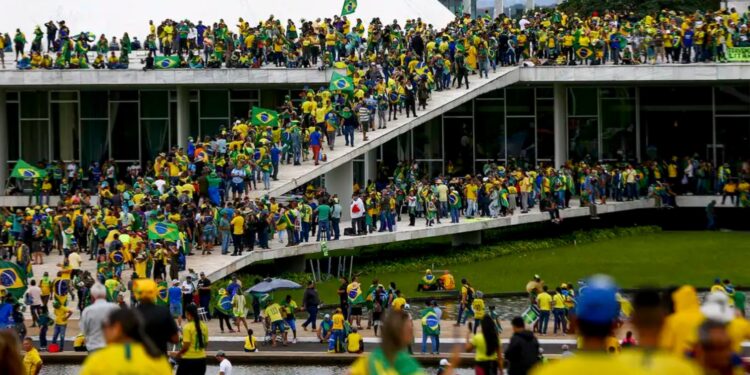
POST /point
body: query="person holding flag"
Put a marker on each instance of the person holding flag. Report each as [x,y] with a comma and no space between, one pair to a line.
[356,300]
[430,317]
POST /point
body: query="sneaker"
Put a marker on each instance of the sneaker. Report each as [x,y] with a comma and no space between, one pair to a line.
[294,341]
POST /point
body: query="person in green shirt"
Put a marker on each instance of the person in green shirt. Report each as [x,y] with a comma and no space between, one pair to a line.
[324,215]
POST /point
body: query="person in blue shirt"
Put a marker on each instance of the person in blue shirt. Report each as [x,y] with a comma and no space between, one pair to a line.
[275,158]
[315,144]
[233,287]
[174,297]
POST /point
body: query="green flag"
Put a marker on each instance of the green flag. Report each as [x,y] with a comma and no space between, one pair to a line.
[264,117]
[166,62]
[430,322]
[341,82]
[224,303]
[26,170]
[13,278]
[162,230]
[350,6]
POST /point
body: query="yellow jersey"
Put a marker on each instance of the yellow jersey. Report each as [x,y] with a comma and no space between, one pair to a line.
[273,312]
[588,363]
[129,358]
[478,307]
[250,343]
[32,361]
[338,321]
[190,338]
[658,362]
[353,340]
[544,300]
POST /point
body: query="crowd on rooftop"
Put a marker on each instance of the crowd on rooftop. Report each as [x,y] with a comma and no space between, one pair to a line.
[543,36]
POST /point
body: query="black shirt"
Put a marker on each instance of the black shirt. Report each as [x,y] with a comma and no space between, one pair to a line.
[204,283]
[159,325]
[311,298]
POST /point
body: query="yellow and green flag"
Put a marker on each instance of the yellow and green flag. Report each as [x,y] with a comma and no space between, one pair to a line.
[354,294]
[264,117]
[430,322]
[160,230]
[26,170]
[162,293]
[13,278]
[341,82]
[166,62]
[350,6]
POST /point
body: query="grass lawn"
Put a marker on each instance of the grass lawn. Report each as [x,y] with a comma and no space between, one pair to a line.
[663,259]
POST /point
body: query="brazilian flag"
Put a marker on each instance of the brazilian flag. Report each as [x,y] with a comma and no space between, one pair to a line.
[166,62]
[162,293]
[117,257]
[26,170]
[584,53]
[224,303]
[430,322]
[421,68]
[354,294]
[350,6]
[13,278]
[341,82]
[264,117]
[60,289]
[161,230]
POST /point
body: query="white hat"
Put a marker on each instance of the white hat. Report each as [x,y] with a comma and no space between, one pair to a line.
[444,362]
[716,307]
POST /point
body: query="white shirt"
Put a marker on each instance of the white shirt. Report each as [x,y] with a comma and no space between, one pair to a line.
[36,295]
[71,170]
[91,323]
[225,368]
[360,206]
[187,288]
[75,261]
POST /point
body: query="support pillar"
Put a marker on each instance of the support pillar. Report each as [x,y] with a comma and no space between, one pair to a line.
[468,8]
[468,238]
[561,126]
[4,142]
[499,8]
[371,166]
[183,116]
[340,181]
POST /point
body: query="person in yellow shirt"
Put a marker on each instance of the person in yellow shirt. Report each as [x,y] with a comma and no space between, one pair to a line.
[276,320]
[126,351]
[337,331]
[597,312]
[192,356]
[399,302]
[354,342]
[558,311]
[250,342]
[544,303]
[238,231]
[477,307]
[32,362]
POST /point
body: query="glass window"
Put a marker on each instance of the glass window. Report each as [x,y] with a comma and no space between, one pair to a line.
[545,129]
[124,95]
[11,96]
[194,120]
[210,128]
[618,129]
[244,94]
[583,138]
[732,139]
[679,98]
[240,110]
[358,172]
[214,103]
[428,139]
[617,92]
[65,131]
[464,109]
[673,123]
[94,145]
[154,138]
[430,169]
[13,131]
[520,101]
[64,95]
[545,92]
[270,98]
[732,99]
[124,130]
[459,151]
[582,101]
[494,94]
[490,129]
[34,104]
[173,124]
[521,133]
[34,140]
[94,104]
[154,104]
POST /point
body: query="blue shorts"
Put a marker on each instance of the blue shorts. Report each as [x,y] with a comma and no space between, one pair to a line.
[278,326]
[238,188]
[291,323]
[175,310]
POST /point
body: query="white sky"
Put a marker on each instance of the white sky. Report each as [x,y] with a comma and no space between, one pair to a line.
[115,17]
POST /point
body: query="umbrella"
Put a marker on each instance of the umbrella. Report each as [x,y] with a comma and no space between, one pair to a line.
[269,285]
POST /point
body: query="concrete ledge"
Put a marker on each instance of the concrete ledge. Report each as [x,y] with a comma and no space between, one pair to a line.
[677,73]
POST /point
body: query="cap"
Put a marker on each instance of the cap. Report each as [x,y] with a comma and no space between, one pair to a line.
[597,303]
[327,316]
[716,307]
[444,362]
[220,353]
[175,282]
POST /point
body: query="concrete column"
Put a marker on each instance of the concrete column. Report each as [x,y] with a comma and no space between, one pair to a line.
[468,8]
[468,238]
[371,166]
[183,116]
[340,181]
[561,126]
[529,5]
[499,5]
[4,142]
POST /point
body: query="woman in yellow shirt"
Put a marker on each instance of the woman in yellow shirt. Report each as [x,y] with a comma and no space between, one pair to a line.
[128,350]
[192,356]
[488,358]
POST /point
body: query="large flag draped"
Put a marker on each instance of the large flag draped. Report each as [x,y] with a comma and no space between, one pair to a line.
[224,302]
[26,170]
[350,6]
[430,322]
[354,294]
[264,117]
[160,230]
[60,290]
[162,293]
[166,62]
[341,82]
[13,278]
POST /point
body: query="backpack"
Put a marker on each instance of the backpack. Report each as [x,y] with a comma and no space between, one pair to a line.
[469,295]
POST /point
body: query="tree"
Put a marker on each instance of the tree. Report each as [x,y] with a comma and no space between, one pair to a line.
[638,7]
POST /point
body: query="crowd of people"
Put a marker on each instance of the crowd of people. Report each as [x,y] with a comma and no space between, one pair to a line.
[543,36]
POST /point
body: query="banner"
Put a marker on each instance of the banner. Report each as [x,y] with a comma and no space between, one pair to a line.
[738,54]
